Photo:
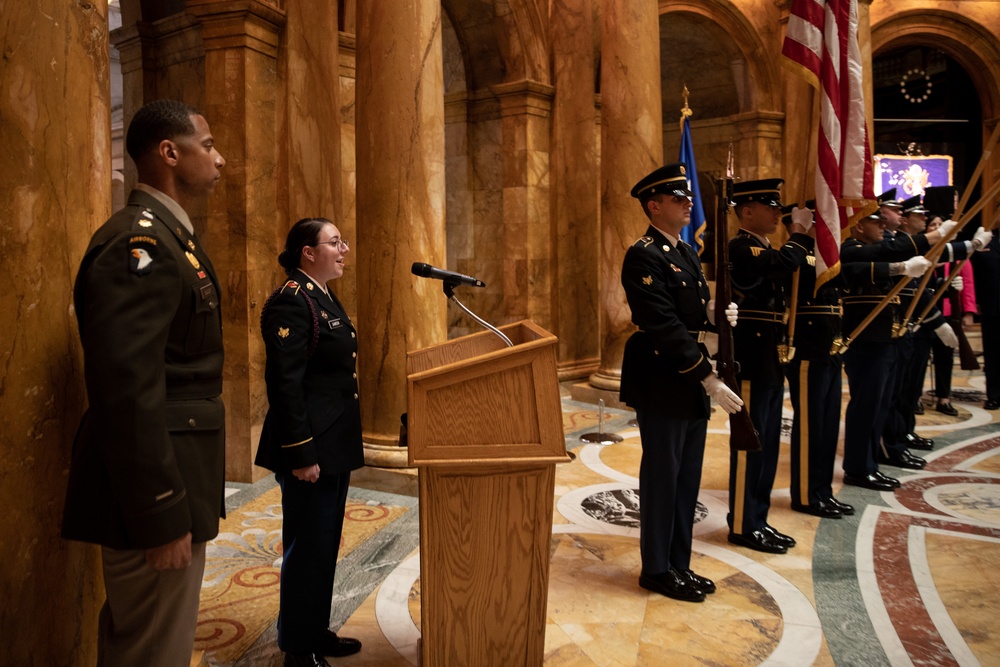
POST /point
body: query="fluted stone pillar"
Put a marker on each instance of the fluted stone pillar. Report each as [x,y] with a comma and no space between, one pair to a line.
[55,190]
[400,204]
[574,204]
[631,147]
[243,222]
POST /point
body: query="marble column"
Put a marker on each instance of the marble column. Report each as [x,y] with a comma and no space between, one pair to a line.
[55,190]
[400,203]
[243,222]
[312,144]
[525,112]
[631,147]
[573,173]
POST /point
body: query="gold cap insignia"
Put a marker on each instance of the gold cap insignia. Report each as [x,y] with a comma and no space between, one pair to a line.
[683,170]
[145,223]
[310,286]
[191,244]
[647,280]
[283,332]
[194,260]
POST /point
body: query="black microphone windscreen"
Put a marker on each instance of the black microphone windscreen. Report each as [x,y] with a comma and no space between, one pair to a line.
[421,269]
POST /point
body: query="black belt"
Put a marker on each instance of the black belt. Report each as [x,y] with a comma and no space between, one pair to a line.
[761,316]
[821,310]
[868,299]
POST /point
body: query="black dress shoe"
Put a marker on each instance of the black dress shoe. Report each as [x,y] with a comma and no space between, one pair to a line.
[305,660]
[338,647]
[785,540]
[845,509]
[672,584]
[914,441]
[891,481]
[903,459]
[758,540]
[918,409]
[873,482]
[947,409]
[703,584]
[823,509]
[991,405]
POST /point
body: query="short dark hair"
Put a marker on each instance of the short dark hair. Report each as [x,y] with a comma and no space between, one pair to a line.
[156,121]
[303,233]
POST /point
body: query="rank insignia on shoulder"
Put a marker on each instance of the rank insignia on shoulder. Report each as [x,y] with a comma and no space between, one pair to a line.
[647,280]
[145,223]
[755,251]
[644,240]
[292,285]
[148,218]
[194,260]
[811,260]
[284,332]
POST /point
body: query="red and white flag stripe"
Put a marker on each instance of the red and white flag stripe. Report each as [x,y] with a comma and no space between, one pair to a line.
[822,39]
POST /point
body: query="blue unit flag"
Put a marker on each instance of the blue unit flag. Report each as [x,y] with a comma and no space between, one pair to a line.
[694,233]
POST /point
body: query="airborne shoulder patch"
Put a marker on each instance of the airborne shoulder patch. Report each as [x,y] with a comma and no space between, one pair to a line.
[142,252]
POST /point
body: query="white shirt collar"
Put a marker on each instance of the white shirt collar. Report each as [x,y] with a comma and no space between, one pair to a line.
[171,205]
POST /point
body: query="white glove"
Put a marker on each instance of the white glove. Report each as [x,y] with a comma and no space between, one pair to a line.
[984,236]
[957,283]
[732,312]
[947,335]
[946,227]
[917,266]
[802,216]
[723,395]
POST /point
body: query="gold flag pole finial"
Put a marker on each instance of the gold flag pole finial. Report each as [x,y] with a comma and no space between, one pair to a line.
[686,111]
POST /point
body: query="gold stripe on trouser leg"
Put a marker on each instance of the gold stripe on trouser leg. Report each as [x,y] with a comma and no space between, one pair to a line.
[804,432]
[741,471]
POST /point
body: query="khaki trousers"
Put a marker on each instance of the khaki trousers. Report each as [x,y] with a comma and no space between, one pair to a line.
[149,617]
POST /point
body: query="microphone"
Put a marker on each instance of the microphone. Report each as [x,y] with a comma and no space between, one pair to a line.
[449,277]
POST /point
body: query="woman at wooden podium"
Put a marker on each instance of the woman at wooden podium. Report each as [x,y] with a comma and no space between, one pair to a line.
[312,434]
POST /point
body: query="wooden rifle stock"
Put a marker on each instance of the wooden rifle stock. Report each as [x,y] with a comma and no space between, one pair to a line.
[742,434]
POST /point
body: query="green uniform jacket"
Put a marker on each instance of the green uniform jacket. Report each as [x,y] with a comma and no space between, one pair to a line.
[149,456]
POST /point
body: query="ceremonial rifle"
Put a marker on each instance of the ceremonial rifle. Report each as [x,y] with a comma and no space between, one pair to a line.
[933,254]
[742,434]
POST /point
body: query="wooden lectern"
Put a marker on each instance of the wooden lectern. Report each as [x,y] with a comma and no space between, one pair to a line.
[485,431]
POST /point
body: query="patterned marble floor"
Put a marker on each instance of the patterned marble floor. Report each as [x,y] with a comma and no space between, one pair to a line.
[912,579]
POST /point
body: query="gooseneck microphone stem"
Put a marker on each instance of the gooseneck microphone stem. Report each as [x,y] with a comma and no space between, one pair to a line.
[449,291]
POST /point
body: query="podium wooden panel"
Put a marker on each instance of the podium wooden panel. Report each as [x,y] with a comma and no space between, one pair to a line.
[485,431]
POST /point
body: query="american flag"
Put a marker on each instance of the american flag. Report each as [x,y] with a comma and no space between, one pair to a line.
[822,41]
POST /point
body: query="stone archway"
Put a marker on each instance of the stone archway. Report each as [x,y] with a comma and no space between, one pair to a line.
[966,41]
